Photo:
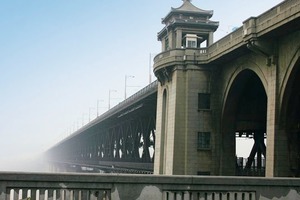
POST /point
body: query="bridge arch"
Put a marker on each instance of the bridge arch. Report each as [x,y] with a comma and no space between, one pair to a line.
[248,65]
[244,114]
[290,113]
[161,146]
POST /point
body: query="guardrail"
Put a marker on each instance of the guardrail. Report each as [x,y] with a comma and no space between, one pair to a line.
[41,186]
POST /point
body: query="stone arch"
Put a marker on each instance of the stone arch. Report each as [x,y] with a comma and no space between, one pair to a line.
[289,114]
[163,136]
[289,76]
[250,66]
[244,112]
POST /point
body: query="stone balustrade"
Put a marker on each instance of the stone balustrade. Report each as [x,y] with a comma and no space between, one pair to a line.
[46,186]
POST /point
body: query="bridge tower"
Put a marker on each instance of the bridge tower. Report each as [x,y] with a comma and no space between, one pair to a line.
[183,126]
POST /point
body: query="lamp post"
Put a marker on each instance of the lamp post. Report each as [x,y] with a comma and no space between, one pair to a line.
[109,92]
[101,100]
[90,113]
[127,76]
[83,119]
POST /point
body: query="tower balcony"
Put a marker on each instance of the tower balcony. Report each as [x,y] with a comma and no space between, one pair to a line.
[180,56]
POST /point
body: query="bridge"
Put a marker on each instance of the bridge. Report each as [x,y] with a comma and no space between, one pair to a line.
[121,140]
[207,94]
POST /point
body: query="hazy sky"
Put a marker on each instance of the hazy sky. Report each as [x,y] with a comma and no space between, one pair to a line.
[58,57]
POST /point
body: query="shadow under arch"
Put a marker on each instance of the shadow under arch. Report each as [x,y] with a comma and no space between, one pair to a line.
[244,115]
[290,115]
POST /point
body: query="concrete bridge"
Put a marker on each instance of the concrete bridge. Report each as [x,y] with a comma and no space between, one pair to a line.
[208,93]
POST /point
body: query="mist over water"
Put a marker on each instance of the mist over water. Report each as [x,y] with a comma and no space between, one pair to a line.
[32,164]
[37,163]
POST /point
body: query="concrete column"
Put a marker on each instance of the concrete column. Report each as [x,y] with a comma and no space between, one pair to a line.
[171,40]
[271,121]
[158,165]
[277,161]
[210,39]
[178,38]
[163,44]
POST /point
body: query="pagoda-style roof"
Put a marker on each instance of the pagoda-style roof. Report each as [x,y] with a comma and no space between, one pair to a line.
[188,8]
[188,16]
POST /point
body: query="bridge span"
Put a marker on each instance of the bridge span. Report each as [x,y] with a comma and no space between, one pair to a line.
[207,94]
[121,140]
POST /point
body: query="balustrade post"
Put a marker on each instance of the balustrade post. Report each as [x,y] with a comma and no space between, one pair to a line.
[3,191]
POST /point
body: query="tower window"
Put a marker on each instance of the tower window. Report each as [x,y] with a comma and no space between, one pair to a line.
[203,140]
[191,44]
[191,40]
[167,44]
[203,101]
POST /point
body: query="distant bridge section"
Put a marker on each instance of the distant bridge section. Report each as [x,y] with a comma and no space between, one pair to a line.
[120,140]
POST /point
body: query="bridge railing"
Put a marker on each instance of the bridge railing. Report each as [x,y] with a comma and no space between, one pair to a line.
[179,55]
[253,170]
[143,187]
[229,42]
[151,88]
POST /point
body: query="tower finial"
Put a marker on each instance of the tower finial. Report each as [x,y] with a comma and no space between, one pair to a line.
[186,0]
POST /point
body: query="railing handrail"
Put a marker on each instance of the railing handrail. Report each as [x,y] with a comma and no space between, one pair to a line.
[83,178]
[117,186]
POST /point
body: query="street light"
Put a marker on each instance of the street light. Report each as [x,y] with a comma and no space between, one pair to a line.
[110,91]
[83,119]
[126,76]
[90,113]
[101,100]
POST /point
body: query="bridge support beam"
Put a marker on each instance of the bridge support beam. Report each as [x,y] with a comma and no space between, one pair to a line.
[276,158]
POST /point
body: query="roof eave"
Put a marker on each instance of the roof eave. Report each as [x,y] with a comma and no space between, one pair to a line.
[209,14]
[213,26]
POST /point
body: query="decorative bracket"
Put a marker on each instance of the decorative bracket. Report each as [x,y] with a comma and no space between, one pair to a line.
[164,75]
[263,48]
